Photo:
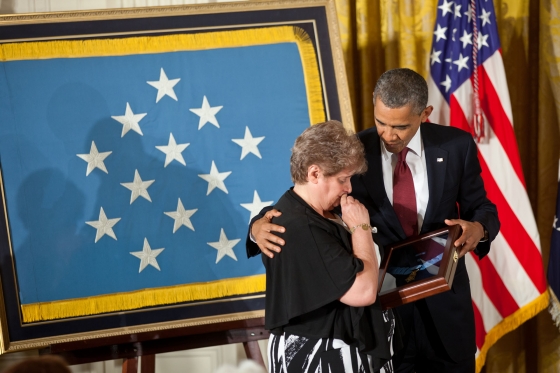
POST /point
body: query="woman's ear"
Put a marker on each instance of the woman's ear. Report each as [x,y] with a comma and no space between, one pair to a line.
[313,173]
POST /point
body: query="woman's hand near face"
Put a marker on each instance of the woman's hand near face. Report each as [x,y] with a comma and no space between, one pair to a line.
[353,212]
[364,290]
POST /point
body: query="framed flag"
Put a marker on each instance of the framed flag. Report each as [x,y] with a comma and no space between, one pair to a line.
[135,146]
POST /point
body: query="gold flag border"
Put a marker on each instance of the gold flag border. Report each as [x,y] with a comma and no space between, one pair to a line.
[510,323]
[142,298]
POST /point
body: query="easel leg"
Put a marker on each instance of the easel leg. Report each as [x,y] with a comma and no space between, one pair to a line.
[253,352]
[148,364]
[130,365]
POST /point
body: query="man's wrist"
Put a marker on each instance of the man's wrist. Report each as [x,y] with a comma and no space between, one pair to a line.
[485,235]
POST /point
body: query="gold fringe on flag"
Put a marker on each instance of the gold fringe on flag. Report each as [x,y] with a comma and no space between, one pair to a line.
[554,307]
[510,323]
[311,76]
[142,298]
[179,43]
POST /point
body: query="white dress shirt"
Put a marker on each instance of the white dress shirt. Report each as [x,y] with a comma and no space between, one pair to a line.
[416,160]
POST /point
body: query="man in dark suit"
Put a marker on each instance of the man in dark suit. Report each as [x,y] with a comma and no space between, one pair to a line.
[438,166]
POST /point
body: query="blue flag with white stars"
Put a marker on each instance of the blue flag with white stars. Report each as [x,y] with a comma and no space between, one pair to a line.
[141,171]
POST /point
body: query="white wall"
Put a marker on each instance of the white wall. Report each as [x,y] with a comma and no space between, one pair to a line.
[204,360]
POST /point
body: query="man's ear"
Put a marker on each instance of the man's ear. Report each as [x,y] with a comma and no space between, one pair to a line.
[313,173]
[426,113]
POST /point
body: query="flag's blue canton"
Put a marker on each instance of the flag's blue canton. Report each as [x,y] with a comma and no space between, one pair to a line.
[452,45]
[52,110]
[554,261]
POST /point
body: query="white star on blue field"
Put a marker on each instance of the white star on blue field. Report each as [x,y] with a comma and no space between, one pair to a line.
[451,61]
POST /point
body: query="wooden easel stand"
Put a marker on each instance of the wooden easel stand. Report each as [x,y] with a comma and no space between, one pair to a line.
[147,345]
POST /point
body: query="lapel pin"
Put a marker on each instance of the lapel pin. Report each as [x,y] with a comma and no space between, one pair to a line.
[440,159]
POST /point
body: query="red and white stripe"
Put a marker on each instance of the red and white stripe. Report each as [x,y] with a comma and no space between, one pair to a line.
[512,274]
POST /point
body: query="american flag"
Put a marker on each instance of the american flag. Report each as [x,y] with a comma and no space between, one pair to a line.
[508,287]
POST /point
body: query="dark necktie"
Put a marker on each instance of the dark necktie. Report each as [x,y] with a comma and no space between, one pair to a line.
[404,197]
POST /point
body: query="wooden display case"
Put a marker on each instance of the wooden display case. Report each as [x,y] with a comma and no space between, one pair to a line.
[418,267]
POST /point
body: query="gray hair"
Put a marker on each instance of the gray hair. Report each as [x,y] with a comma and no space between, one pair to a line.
[330,146]
[400,87]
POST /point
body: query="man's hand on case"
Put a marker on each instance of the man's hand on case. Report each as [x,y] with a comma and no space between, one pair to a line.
[473,232]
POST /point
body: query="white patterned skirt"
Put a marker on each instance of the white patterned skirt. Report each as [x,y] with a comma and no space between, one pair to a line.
[289,353]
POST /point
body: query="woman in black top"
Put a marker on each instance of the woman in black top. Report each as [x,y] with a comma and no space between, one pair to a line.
[321,290]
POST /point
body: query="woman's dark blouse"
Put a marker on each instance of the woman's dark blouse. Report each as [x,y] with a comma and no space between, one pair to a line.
[306,280]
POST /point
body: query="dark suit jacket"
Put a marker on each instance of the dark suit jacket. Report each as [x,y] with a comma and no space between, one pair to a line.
[456,190]
[455,185]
